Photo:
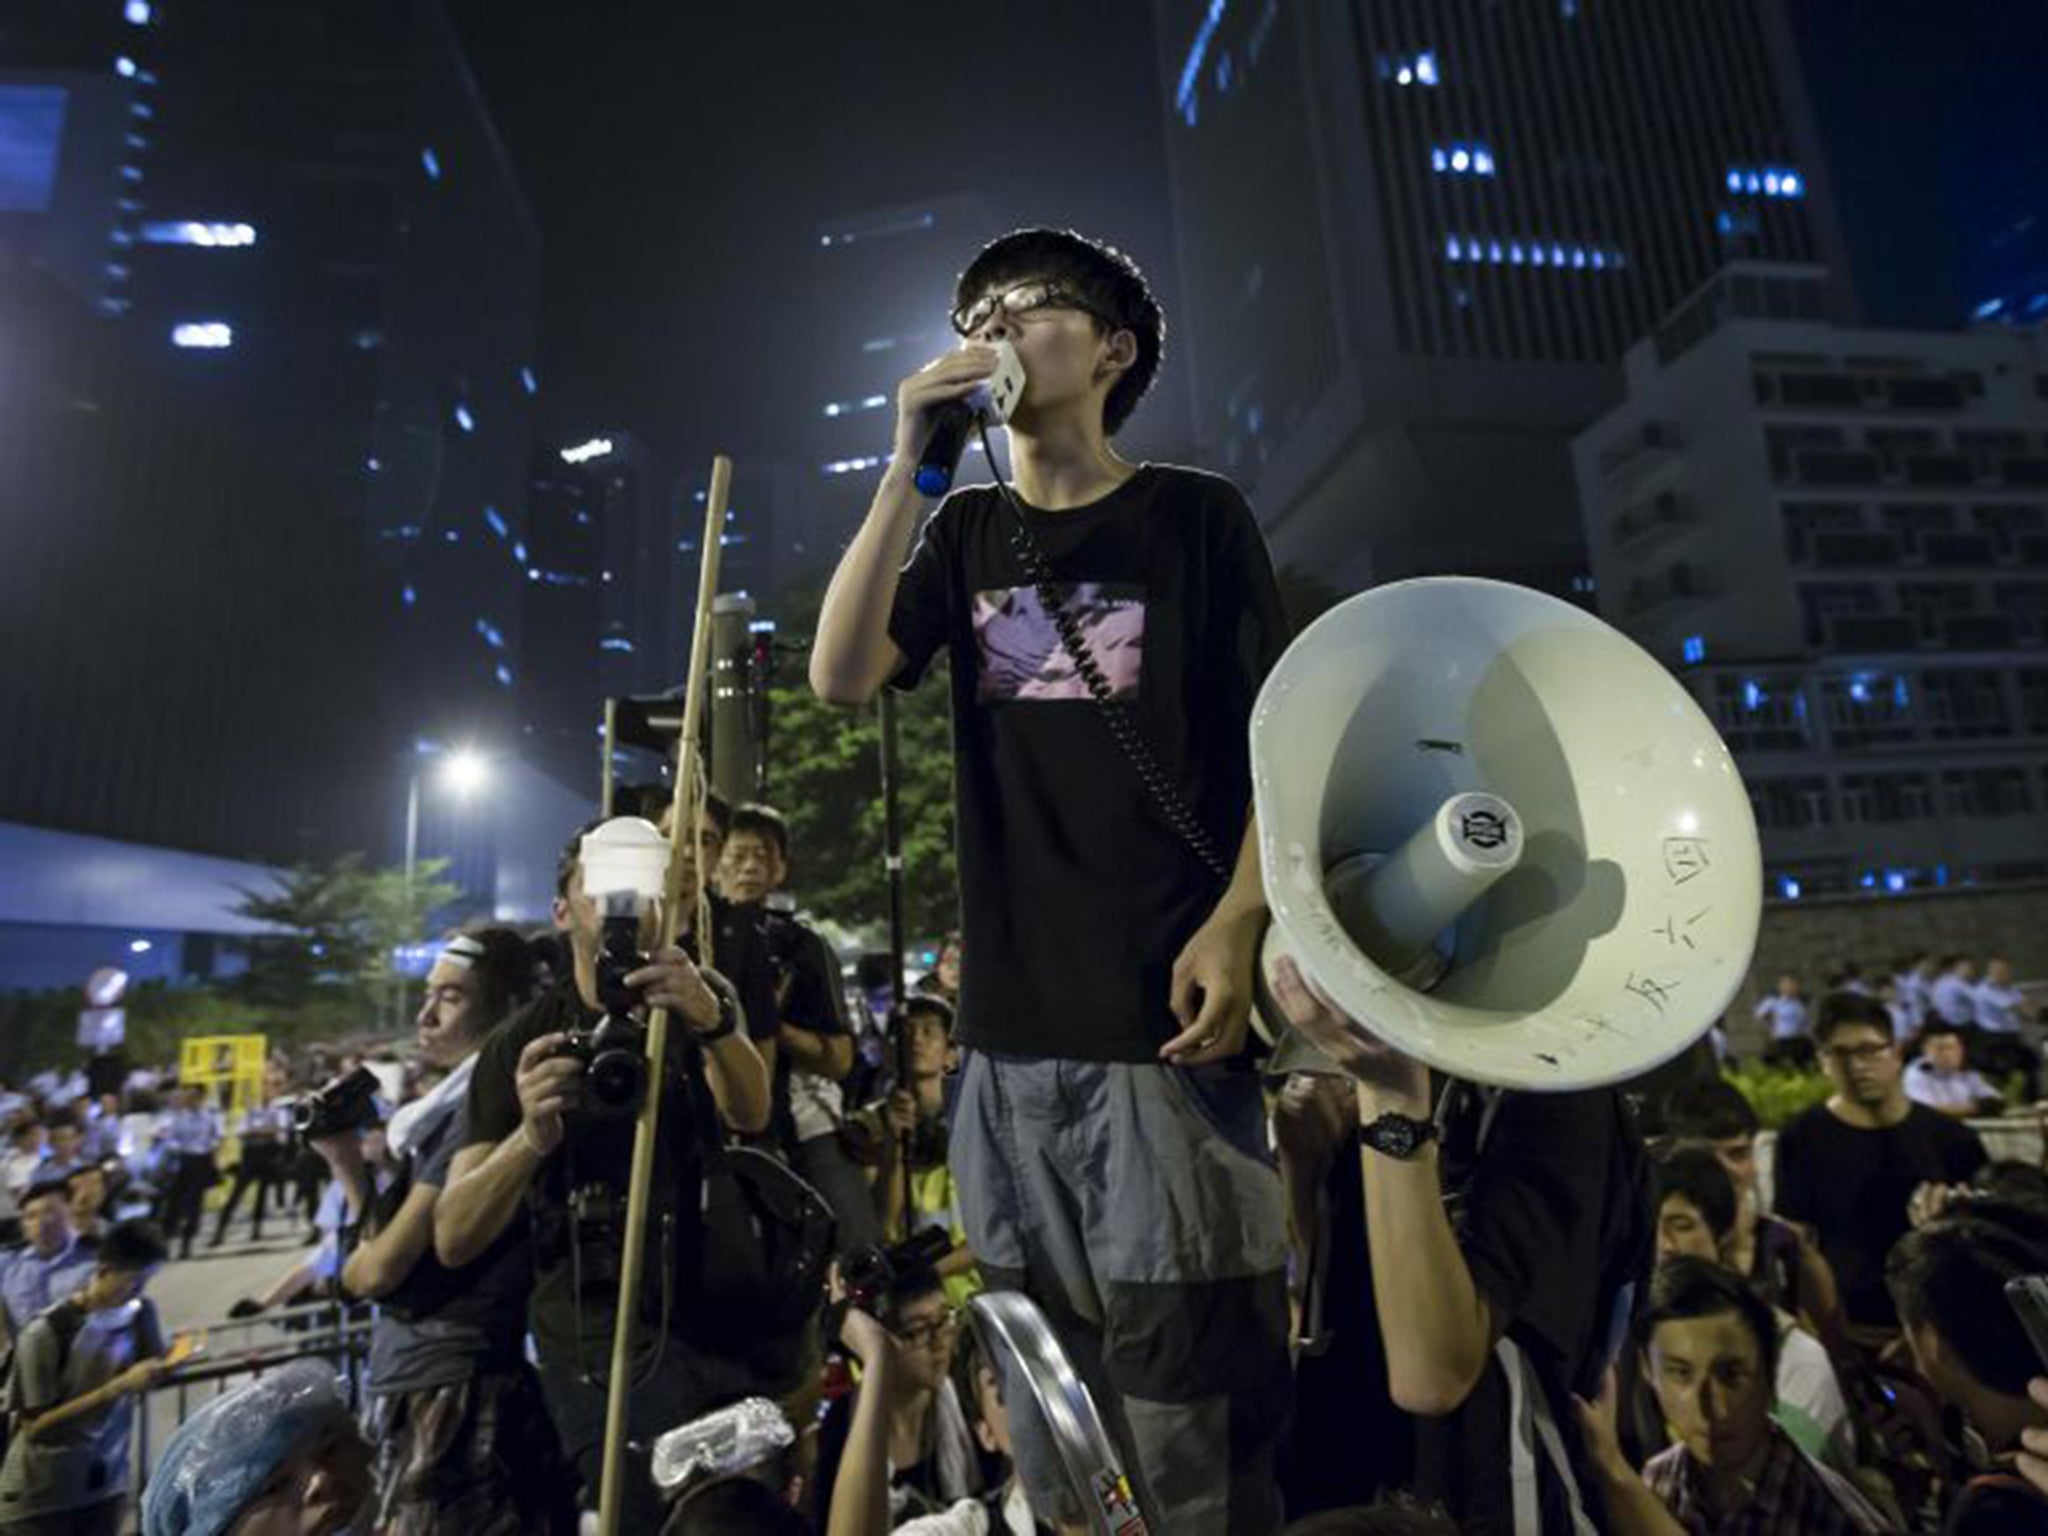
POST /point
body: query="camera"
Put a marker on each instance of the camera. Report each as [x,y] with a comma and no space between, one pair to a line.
[868,1272]
[614,1054]
[348,1103]
[614,1057]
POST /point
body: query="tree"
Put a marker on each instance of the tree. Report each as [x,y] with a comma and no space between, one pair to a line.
[340,923]
[825,776]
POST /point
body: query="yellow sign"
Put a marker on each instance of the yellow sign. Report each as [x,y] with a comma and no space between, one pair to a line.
[233,1061]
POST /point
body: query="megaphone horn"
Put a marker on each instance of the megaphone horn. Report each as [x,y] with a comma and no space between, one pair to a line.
[1500,836]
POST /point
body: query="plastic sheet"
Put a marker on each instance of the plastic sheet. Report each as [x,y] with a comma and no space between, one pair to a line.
[221,1457]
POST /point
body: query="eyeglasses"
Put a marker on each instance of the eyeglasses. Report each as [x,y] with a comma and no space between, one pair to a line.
[1847,1054]
[1019,300]
[927,1334]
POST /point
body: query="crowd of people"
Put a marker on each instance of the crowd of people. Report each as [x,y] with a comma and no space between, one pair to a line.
[1945,1007]
[1362,1300]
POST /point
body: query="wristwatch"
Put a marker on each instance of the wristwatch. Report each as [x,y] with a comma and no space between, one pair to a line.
[728,1019]
[1397,1136]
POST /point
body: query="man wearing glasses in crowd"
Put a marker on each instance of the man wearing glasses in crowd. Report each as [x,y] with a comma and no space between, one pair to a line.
[1109,1145]
[1854,1171]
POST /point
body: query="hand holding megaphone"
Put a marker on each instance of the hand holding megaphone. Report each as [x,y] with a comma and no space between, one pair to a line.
[1401,1081]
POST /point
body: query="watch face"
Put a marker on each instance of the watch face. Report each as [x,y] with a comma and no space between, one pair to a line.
[1395,1135]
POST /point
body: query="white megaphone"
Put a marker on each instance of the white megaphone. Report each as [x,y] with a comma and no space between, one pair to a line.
[1499,835]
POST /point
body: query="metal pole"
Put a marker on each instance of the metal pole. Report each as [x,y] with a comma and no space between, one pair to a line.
[892,864]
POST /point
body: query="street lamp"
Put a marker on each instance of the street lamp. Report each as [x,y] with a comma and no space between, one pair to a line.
[464,771]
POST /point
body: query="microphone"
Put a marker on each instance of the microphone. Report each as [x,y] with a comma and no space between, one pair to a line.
[992,401]
[951,423]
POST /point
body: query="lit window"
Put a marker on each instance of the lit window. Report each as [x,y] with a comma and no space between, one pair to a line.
[854,466]
[1410,68]
[196,232]
[208,334]
[430,163]
[582,453]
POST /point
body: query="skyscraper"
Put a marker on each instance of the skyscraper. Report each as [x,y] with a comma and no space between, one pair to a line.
[1416,236]
[301,287]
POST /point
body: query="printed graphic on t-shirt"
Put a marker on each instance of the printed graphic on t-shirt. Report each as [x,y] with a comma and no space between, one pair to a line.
[1021,654]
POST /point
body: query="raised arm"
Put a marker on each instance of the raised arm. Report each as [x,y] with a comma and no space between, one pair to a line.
[853,656]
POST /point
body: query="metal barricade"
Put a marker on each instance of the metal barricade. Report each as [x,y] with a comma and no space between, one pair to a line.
[240,1349]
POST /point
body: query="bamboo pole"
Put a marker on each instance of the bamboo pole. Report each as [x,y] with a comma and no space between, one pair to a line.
[682,844]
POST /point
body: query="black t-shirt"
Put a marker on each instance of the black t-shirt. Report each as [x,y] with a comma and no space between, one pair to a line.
[740,955]
[807,992]
[1852,1186]
[454,1323]
[575,1261]
[1076,893]
[1550,1203]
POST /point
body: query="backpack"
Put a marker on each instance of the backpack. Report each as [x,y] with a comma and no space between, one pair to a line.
[67,1320]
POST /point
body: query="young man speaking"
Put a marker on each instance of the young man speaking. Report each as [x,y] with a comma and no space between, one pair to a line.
[1108,626]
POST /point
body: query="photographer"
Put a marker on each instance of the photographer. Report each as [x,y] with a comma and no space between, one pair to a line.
[543,1145]
[463,1439]
[905,1426]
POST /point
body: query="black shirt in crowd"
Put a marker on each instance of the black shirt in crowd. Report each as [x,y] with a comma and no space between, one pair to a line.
[1852,1187]
[441,1326]
[575,1257]
[1548,1197]
[807,992]
[1077,896]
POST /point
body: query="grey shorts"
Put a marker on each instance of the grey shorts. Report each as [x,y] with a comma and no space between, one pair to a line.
[1138,1205]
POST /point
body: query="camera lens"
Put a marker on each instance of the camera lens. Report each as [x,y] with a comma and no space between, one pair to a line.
[615,1079]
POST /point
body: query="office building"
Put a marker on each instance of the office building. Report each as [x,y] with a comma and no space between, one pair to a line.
[1415,237]
[1839,538]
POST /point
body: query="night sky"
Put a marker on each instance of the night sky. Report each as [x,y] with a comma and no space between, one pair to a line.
[679,159]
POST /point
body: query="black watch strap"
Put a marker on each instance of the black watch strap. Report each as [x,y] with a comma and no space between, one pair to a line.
[728,1019]
[1396,1136]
